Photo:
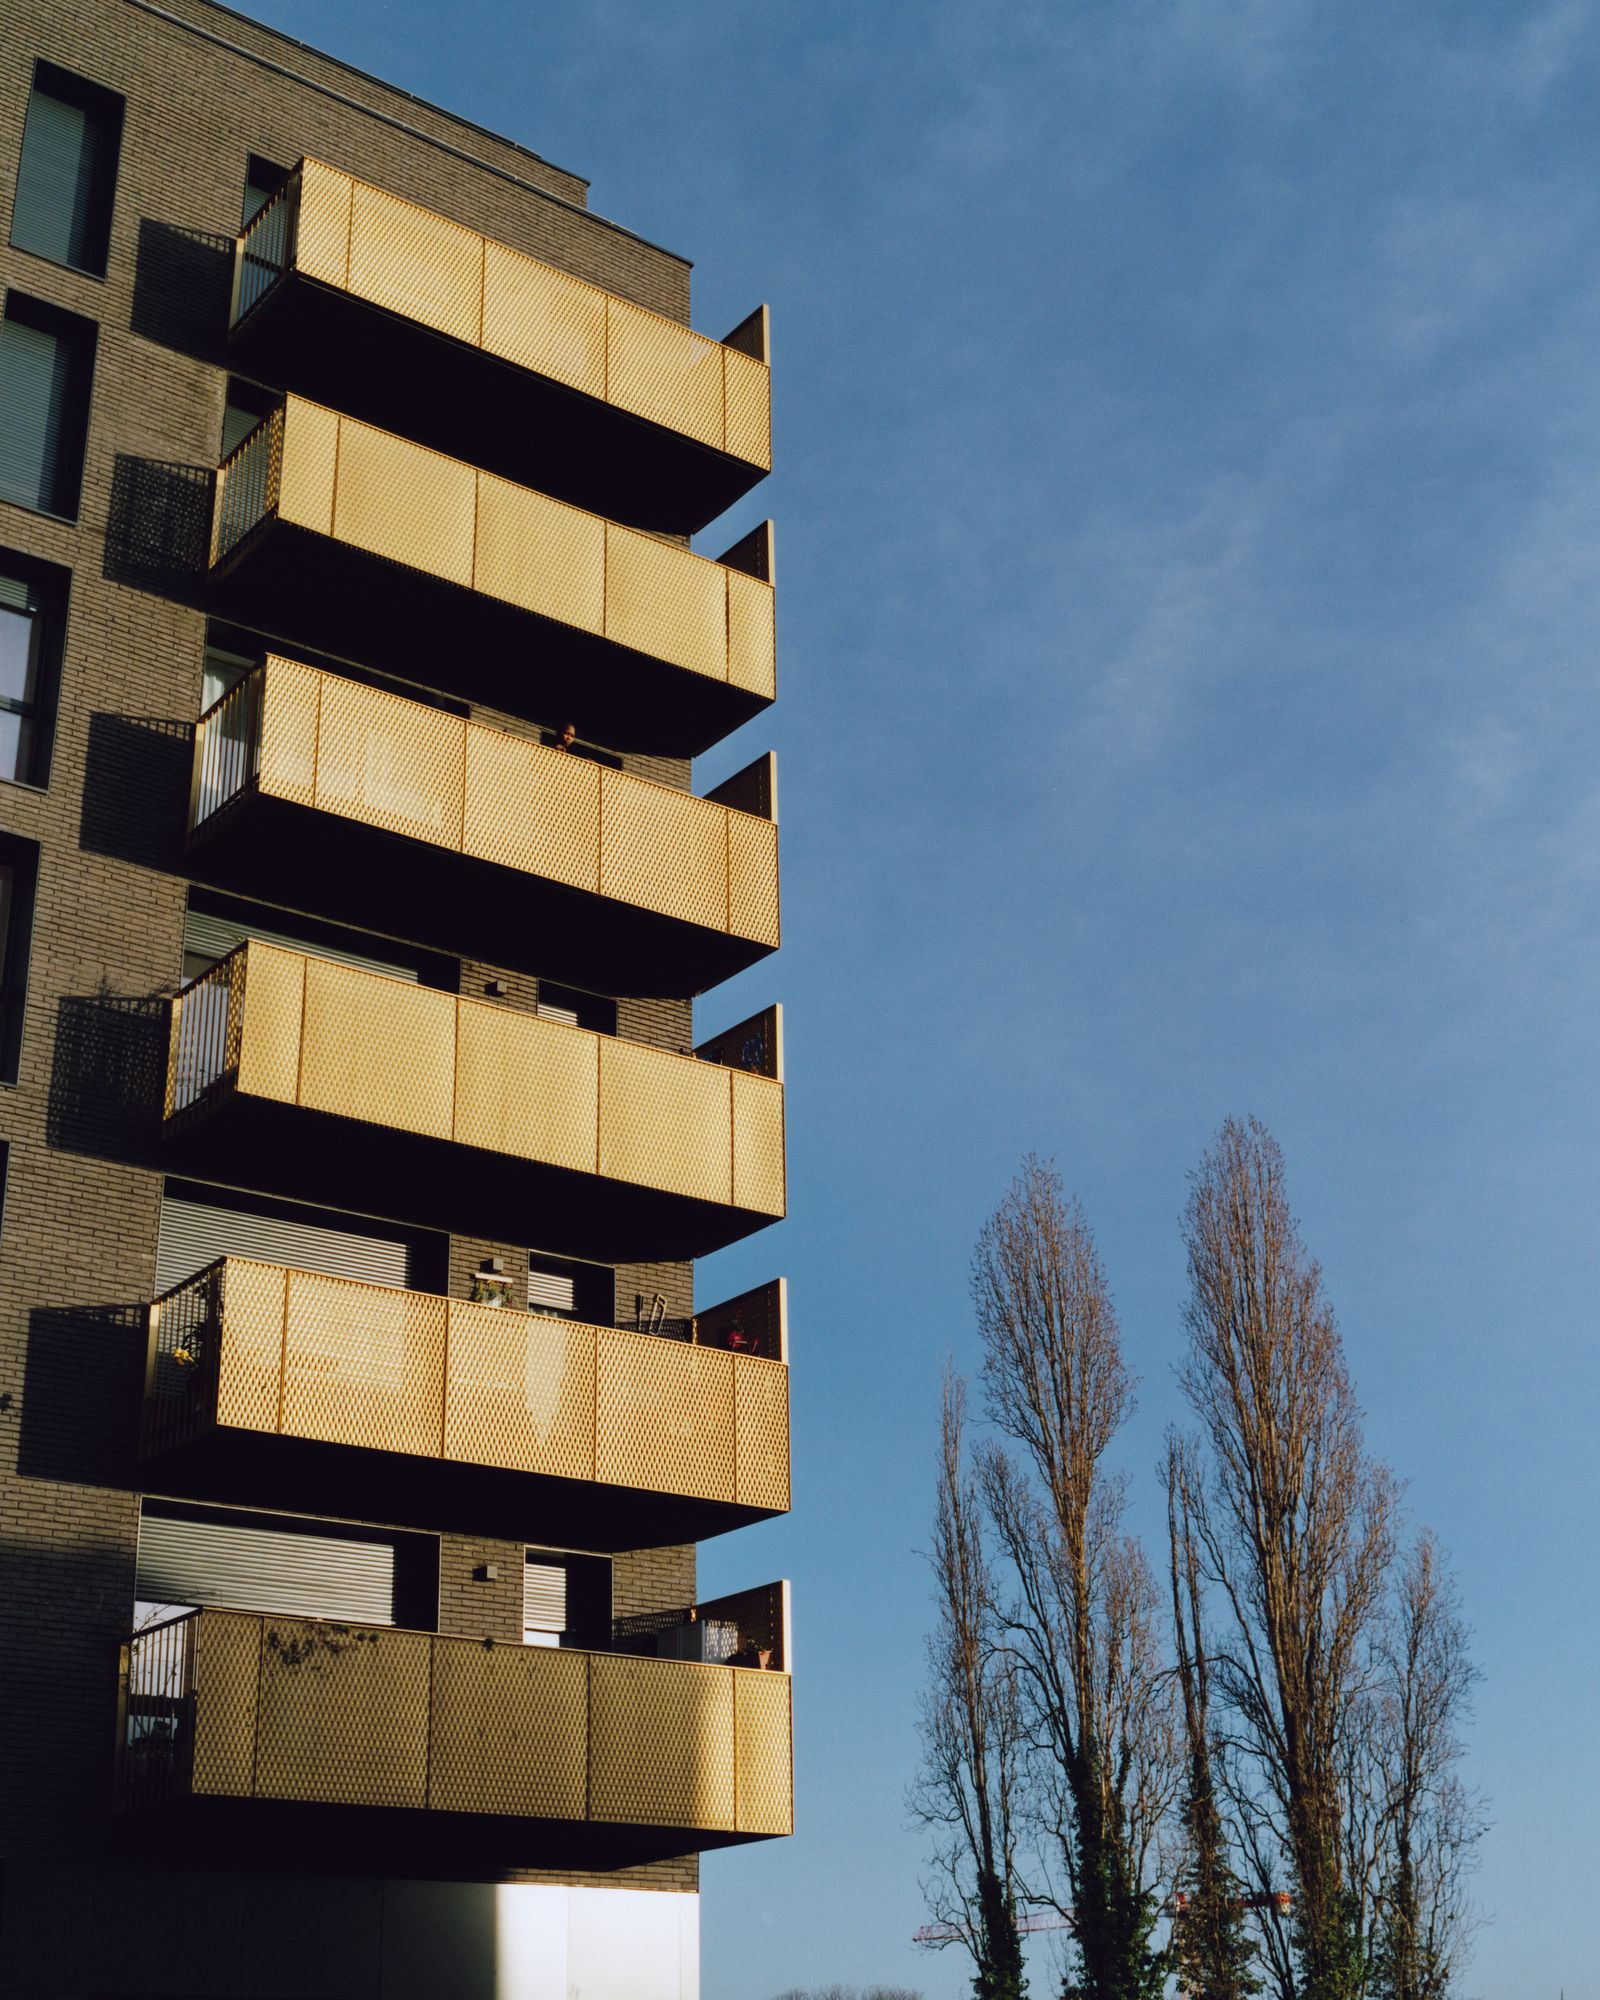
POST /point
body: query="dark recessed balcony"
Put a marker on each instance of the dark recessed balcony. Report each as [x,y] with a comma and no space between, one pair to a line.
[357,804]
[379,307]
[312,1078]
[348,540]
[249,1723]
[368,1400]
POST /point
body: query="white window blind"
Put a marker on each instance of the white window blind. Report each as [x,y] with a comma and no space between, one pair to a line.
[240,1567]
[195,1234]
[544,1600]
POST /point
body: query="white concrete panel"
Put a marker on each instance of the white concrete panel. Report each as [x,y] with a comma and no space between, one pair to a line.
[531,1927]
[689,1945]
[627,1944]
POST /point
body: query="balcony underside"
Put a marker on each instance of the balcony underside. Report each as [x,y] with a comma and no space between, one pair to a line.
[311,590]
[367,876]
[447,1846]
[252,1468]
[362,359]
[315,1156]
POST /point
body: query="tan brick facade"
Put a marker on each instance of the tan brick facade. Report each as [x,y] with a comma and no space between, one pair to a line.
[204,90]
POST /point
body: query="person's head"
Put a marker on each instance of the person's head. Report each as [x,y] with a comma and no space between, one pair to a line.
[568,735]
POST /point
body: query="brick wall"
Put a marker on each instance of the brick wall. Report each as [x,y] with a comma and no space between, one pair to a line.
[77,1254]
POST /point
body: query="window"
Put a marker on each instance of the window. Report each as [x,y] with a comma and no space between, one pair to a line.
[46,362]
[565,1289]
[575,1008]
[33,600]
[68,174]
[262,181]
[246,406]
[566,1600]
[19,872]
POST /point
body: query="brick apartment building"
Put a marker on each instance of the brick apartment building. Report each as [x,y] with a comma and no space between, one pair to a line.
[357,1422]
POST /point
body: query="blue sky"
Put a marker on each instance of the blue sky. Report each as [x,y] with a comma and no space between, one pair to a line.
[1188,504]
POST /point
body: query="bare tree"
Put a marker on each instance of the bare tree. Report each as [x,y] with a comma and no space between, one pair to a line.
[971,1732]
[1081,1624]
[1298,1532]
[1429,1824]
[1212,1949]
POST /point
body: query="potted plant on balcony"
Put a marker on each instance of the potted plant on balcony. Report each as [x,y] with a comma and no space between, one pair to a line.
[490,1285]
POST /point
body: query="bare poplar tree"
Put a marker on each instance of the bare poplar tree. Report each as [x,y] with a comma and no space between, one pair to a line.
[1212,1950]
[1429,1823]
[1081,1625]
[1298,1532]
[971,1732]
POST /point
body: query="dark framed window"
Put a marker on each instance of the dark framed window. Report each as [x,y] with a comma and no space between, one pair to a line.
[33,616]
[67,177]
[46,367]
[564,1288]
[19,878]
[262,180]
[246,405]
[576,1008]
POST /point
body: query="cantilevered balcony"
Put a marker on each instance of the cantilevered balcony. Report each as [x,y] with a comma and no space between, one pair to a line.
[443,1414]
[348,540]
[399,316]
[313,1078]
[243,1722]
[359,805]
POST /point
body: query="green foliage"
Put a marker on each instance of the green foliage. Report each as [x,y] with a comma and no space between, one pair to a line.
[1113,1918]
[1212,1950]
[1332,1955]
[1000,1975]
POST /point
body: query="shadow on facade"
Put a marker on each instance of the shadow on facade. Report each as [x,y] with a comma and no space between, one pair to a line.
[83,1384]
[158,526]
[182,287]
[108,1077]
[136,789]
[60,1671]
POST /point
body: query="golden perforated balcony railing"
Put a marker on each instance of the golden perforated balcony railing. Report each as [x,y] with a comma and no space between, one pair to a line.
[357,542]
[304,782]
[445,1414]
[382,308]
[459,1114]
[503,1742]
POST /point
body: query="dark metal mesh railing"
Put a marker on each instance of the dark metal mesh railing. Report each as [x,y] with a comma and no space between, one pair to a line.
[266,249]
[156,1753]
[752,1323]
[247,485]
[184,1359]
[746,1629]
[207,1023]
[227,749]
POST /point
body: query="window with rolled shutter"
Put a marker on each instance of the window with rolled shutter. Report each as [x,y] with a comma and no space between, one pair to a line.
[196,1233]
[46,361]
[67,177]
[188,1559]
[544,1600]
[207,938]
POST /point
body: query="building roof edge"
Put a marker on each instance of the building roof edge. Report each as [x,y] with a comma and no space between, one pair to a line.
[412,131]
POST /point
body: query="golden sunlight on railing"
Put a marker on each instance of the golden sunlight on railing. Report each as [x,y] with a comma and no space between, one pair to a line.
[247,1346]
[334,230]
[228,1704]
[313,739]
[362,489]
[291,1029]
